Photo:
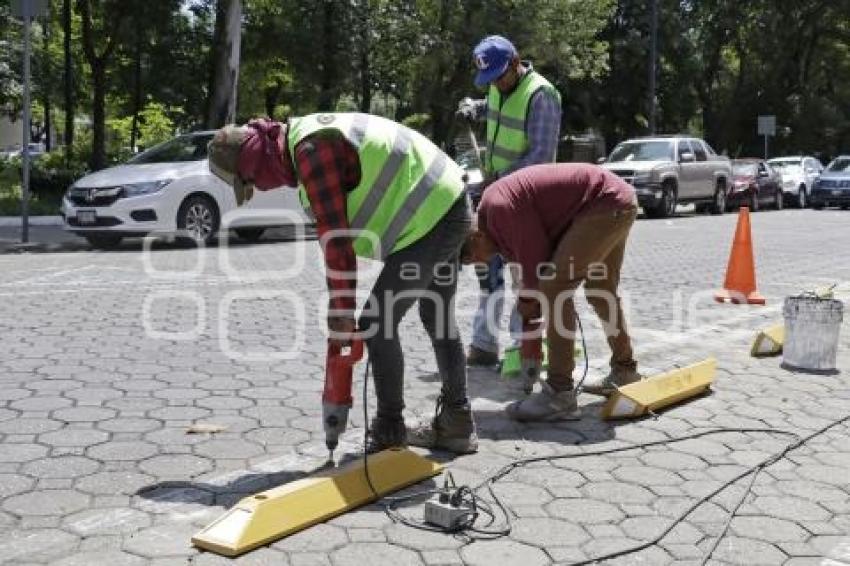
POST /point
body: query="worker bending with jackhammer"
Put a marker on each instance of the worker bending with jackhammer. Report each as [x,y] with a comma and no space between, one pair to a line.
[523,114]
[564,224]
[382,191]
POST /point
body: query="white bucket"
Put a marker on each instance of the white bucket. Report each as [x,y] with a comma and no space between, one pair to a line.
[812,326]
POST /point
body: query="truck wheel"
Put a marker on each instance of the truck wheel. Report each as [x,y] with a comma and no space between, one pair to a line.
[667,205]
[718,203]
[779,200]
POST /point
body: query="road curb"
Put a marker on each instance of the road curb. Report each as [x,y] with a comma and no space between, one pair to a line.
[16,221]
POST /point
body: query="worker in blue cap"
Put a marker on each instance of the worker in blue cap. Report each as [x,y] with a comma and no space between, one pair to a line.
[523,113]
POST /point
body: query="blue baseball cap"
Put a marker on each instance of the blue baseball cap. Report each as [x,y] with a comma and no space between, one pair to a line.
[492,57]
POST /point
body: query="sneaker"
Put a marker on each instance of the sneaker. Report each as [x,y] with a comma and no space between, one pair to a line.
[618,376]
[546,405]
[452,429]
[481,358]
[386,433]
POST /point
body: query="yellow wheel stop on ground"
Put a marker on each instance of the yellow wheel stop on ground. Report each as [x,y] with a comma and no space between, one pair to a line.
[658,391]
[292,507]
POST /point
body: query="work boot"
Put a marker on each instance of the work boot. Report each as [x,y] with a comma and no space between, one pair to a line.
[546,405]
[481,358]
[620,374]
[451,429]
[386,433]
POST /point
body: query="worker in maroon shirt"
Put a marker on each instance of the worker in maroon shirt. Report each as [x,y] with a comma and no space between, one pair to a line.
[383,191]
[564,224]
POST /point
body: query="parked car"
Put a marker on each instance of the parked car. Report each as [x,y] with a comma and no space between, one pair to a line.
[799,174]
[36,150]
[169,189]
[670,170]
[833,186]
[755,183]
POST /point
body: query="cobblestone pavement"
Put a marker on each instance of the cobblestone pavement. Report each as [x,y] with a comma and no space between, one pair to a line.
[106,358]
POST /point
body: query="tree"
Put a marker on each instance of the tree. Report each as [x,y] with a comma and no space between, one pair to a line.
[110,15]
[225,76]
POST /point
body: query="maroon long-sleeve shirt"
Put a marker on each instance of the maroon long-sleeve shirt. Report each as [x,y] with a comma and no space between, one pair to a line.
[527,212]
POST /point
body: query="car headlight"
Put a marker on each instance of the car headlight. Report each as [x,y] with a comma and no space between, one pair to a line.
[148,188]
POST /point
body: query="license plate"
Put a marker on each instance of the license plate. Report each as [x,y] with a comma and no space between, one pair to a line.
[87,216]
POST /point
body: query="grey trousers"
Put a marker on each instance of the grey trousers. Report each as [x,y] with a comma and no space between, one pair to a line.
[425,272]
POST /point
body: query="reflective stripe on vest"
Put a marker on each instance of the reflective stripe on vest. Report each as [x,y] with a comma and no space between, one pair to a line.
[507,139]
[407,184]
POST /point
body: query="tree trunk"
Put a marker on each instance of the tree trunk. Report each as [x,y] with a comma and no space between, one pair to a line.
[68,81]
[328,77]
[226,46]
[98,154]
[137,90]
[365,71]
[47,78]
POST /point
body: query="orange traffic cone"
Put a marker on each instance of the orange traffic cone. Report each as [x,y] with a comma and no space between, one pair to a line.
[740,284]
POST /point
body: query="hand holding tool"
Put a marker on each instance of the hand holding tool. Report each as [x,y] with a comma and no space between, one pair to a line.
[336,397]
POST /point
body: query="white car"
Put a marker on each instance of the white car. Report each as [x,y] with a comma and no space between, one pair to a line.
[799,174]
[169,190]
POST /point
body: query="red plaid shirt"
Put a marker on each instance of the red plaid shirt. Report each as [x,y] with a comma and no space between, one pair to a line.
[329,168]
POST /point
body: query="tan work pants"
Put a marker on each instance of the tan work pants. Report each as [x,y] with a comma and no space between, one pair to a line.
[591,252]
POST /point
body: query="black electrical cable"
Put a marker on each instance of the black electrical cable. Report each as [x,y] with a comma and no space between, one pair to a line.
[479,505]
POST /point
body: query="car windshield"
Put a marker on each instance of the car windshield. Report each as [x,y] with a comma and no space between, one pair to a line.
[840,165]
[642,151]
[744,169]
[787,167]
[182,148]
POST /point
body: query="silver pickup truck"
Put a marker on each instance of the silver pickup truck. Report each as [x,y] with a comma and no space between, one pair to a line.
[670,170]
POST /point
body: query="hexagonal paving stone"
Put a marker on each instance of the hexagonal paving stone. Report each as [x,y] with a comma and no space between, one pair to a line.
[272,416]
[173,539]
[675,461]
[107,521]
[513,493]
[46,502]
[359,553]
[737,550]
[277,436]
[488,553]
[768,529]
[61,467]
[11,484]
[619,493]
[178,413]
[129,424]
[646,476]
[217,402]
[117,482]
[258,557]
[84,414]
[36,545]
[21,452]
[41,404]
[14,394]
[228,449]
[123,450]
[73,437]
[792,508]
[319,538]
[175,466]
[402,535]
[585,511]
[546,533]
[29,426]
[111,557]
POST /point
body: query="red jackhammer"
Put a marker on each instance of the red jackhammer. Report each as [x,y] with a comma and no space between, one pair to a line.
[531,352]
[336,397]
